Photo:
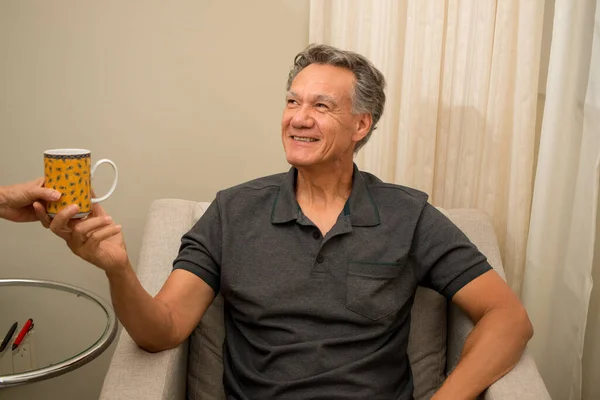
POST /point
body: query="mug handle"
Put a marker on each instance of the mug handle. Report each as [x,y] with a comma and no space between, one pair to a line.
[114,184]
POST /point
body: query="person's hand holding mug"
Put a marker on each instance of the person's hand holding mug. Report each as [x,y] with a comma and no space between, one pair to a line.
[16,201]
[76,217]
[70,172]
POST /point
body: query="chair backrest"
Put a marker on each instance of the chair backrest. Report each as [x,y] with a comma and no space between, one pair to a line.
[426,348]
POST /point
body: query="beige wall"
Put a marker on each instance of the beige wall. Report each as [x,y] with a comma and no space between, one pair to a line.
[185,96]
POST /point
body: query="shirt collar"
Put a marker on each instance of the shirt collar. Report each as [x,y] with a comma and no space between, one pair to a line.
[285,206]
[360,207]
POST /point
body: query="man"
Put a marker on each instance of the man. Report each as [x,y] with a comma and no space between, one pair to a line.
[318,267]
[16,201]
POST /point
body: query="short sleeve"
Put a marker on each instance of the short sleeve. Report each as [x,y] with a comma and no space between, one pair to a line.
[201,248]
[444,258]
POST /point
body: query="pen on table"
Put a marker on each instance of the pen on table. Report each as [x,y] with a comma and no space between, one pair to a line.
[26,328]
[8,336]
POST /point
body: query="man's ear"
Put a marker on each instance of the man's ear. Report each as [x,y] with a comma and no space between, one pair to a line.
[363,126]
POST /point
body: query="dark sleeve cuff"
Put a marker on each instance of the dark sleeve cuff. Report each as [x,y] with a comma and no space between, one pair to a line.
[461,280]
[210,279]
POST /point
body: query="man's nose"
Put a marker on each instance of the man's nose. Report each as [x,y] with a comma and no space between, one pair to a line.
[302,118]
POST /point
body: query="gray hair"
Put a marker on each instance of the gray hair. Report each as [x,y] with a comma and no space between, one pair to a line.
[368,96]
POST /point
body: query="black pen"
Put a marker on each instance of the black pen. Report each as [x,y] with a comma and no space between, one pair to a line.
[8,336]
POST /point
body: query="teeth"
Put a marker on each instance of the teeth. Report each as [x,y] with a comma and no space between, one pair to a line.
[304,139]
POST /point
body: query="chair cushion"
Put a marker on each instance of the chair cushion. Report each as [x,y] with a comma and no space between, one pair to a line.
[427,342]
[205,362]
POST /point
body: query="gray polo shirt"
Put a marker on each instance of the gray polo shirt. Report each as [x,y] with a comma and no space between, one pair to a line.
[312,317]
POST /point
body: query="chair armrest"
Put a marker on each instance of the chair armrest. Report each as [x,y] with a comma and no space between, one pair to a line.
[135,373]
[523,382]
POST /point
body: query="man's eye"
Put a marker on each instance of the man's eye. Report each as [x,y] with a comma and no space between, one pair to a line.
[321,106]
[292,102]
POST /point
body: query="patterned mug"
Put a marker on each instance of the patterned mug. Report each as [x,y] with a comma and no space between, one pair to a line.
[69,172]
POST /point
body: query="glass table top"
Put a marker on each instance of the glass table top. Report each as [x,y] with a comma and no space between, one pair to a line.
[71,327]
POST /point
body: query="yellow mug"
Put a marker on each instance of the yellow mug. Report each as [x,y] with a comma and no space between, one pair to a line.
[69,172]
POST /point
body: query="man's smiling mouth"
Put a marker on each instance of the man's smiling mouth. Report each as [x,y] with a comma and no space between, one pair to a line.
[304,139]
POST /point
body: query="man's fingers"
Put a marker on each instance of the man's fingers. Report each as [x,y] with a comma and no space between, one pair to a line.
[84,229]
[104,233]
[60,223]
[97,210]
[40,212]
[91,224]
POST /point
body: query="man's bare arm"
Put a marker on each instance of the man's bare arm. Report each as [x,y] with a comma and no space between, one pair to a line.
[166,320]
[155,324]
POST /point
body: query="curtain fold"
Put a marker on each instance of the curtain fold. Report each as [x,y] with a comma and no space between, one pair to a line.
[462,91]
[560,252]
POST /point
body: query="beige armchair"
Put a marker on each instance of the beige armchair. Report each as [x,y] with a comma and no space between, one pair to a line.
[194,370]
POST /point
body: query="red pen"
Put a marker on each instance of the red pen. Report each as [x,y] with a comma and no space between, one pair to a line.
[26,328]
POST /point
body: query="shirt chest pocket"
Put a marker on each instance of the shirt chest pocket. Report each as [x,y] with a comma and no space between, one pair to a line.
[376,290]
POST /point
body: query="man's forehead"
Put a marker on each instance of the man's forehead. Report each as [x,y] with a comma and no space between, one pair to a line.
[314,95]
[323,80]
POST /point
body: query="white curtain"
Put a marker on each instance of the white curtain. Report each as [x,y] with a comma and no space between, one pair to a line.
[462,92]
[560,251]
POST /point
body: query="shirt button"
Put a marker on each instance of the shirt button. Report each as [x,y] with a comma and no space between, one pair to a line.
[316,235]
[320,258]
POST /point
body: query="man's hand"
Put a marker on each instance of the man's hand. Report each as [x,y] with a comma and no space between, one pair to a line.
[95,239]
[16,201]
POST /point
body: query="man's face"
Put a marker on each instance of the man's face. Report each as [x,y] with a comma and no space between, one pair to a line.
[318,126]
